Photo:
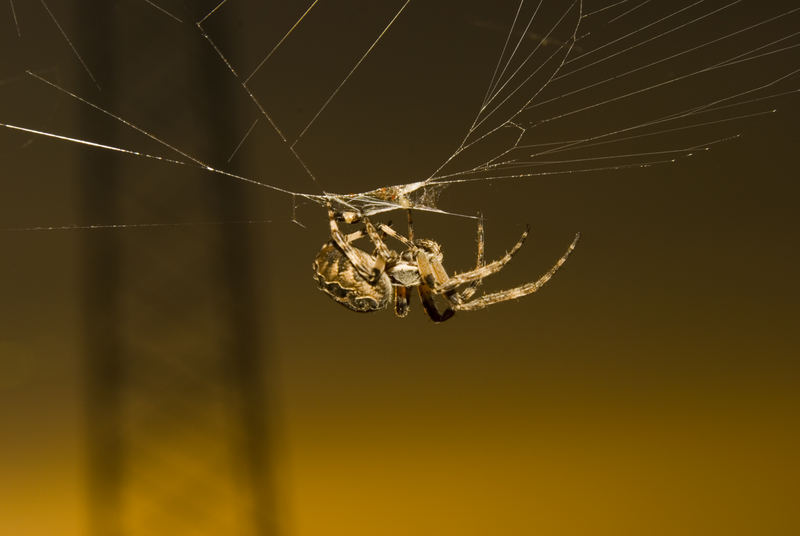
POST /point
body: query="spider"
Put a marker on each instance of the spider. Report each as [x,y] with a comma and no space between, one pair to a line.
[366,282]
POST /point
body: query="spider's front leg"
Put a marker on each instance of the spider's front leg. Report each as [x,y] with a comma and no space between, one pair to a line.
[382,251]
[428,282]
[369,273]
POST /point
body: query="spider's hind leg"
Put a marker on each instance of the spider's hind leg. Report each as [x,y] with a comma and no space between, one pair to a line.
[520,291]
[484,270]
[470,290]
[429,303]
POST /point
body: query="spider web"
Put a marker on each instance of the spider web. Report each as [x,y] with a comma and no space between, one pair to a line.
[577,87]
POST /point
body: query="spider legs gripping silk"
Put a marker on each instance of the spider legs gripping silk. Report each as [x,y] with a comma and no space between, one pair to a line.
[354,255]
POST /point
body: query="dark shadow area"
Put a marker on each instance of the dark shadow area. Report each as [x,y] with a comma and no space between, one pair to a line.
[177,408]
[101,297]
[248,362]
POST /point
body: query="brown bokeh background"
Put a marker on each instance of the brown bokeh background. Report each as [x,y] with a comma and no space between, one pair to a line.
[189,379]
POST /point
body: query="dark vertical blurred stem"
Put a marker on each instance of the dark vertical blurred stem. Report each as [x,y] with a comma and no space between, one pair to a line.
[101,283]
[248,362]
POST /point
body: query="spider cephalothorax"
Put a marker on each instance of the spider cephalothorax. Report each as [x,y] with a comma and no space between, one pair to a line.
[366,282]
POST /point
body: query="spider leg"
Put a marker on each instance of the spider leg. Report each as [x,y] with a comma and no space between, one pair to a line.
[429,305]
[402,296]
[388,231]
[350,252]
[486,270]
[383,252]
[469,291]
[373,234]
[402,300]
[518,292]
[361,233]
[429,279]
[352,237]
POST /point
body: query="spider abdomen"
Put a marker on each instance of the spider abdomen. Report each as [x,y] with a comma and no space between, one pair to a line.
[338,278]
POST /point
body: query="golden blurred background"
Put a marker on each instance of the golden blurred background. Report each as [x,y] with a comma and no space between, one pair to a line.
[188,378]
